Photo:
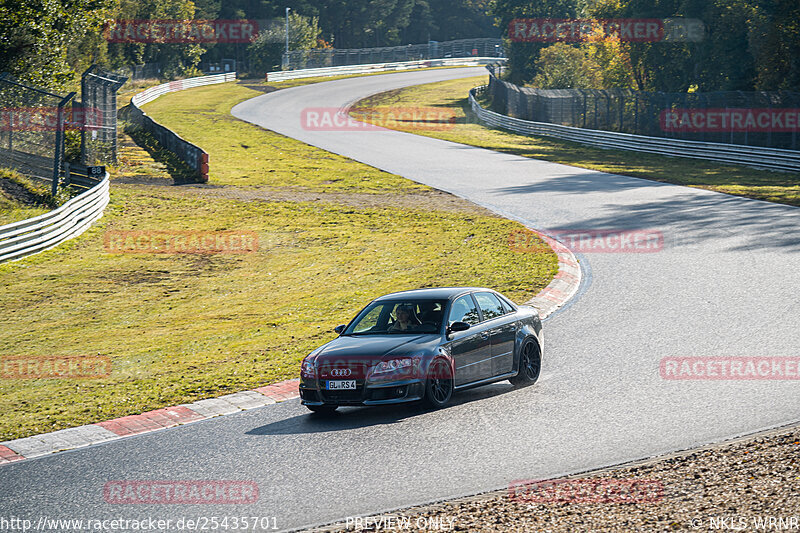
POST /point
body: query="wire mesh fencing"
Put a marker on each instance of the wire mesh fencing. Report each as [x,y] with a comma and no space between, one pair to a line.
[145,71]
[765,119]
[97,116]
[32,125]
[332,57]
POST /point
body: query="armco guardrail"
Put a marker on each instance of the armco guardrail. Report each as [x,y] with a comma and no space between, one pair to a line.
[771,158]
[381,67]
[194,156]
[35,234]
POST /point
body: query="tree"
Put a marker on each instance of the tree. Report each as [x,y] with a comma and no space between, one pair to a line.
[34,37]
[524,57]
[266,51]
[563,66]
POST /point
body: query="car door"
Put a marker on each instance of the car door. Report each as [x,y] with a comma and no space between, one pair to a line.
[471,349]
[502,331]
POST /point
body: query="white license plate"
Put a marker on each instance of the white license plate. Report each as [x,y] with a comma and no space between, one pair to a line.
[342,385]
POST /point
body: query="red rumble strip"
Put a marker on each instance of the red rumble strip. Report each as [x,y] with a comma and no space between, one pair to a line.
[158,419]
[8,455]
[285,390]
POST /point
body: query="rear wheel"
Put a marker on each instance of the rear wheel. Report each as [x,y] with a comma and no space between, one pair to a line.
[530,364]
[324,409]
[439,385]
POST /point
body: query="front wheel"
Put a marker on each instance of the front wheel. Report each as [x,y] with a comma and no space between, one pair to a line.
[325,409]
[439,385]
[530,364]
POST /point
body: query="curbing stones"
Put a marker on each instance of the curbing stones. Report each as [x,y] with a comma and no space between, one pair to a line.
[78,437]
[557,293]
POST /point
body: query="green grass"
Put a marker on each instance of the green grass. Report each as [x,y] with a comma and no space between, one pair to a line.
[780,187]
[242,154]
[182,327]
[14,211]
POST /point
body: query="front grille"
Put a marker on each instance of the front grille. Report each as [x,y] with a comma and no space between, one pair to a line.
[395,393]
[357,370]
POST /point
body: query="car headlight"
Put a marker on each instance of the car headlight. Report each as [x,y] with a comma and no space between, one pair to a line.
[307,369]
[392,364]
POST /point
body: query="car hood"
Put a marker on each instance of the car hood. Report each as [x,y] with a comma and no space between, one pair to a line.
[372,348]
[353,357]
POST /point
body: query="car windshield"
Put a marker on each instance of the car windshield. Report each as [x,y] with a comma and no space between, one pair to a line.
[388,317]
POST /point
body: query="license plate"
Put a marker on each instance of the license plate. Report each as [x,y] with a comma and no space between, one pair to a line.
[342,385]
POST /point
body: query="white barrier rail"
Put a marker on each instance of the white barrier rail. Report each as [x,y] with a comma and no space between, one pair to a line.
[36,234]
[150,94]
[381,67]
[752,156]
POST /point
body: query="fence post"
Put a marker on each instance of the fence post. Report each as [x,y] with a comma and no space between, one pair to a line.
[59,151]
[10,119]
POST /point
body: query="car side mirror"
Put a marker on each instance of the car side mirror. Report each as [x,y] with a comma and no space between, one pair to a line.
[340,329]
[457,326]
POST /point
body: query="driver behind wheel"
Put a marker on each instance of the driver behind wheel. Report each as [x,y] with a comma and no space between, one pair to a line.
[406,318]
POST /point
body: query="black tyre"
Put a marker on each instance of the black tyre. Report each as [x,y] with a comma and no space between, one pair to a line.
[325,409]
[530,364]
[439,385]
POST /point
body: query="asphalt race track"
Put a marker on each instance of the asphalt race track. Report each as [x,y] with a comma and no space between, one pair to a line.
[724,284]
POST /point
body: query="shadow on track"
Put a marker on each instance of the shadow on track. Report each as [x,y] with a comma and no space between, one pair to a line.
[346,418]
[687,220]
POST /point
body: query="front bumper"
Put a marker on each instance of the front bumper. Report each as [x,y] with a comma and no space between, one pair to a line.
[365,393]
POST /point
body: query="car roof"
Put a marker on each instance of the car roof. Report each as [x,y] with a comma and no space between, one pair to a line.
[438,293]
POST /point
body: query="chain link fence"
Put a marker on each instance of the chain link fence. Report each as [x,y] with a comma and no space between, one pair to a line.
[32,125]
[145,71]
[332,57]
[765,119]
[98,123]
[35,125]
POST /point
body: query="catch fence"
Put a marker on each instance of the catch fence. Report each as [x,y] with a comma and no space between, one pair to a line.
[332,57]
[763,119]
[99,128]
[32,129]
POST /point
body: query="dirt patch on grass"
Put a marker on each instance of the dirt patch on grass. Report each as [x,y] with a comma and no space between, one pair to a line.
[256,85]
[432,200]
[17,192]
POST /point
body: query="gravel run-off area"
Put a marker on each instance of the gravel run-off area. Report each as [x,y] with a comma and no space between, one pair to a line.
[747,484]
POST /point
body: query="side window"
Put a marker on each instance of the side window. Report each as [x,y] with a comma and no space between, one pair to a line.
[464,310]
[507,305]
[490,305]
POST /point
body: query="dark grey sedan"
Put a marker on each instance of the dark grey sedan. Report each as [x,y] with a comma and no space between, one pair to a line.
[424,345]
